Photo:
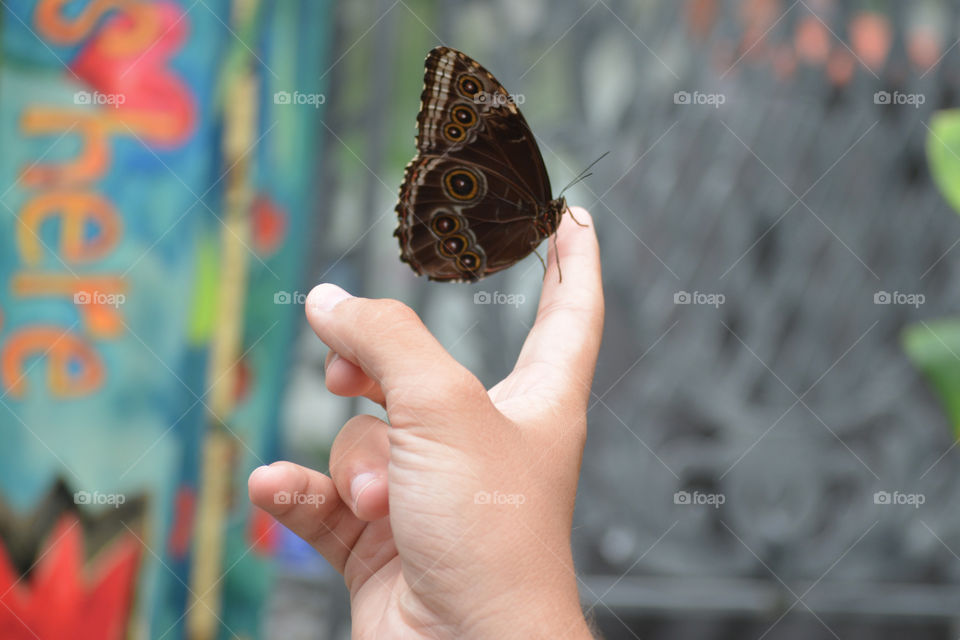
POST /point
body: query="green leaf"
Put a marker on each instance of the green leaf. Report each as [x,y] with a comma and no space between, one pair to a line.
[943,154]
[934,347]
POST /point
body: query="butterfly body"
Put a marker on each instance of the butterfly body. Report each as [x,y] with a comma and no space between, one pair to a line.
[476,198]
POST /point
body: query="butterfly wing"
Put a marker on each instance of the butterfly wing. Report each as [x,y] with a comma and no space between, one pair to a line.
[461,221]
[455,89]
[470,133]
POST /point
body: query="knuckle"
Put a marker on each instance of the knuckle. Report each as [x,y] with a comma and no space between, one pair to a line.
[302,487]
[439,391]
[395,310]
[388,314]
[321,530]
[347,452]
[344,443]
[461,381]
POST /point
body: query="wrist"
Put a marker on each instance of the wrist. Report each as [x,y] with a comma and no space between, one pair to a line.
[533,613]
[567,623]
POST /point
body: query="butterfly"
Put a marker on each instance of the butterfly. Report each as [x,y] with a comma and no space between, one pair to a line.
[476,198]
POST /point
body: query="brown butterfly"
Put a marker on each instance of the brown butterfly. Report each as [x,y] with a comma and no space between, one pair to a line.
[476,198]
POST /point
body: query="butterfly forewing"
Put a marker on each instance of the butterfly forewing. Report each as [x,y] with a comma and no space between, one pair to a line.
[455,89]
[476,198]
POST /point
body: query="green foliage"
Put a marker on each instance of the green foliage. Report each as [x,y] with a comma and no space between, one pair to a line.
[943,154]
[934,347]
[935,350]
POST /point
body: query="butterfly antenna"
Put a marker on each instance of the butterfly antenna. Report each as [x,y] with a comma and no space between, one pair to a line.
[581,176]
[577,181]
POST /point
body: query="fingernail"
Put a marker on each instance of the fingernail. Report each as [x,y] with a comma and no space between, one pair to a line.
[333,358]
[259,470]
[324,297]
[359,484]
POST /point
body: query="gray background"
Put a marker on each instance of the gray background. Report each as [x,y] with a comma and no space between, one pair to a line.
[796,199]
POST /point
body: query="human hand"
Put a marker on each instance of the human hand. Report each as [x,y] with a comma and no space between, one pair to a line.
[454,519]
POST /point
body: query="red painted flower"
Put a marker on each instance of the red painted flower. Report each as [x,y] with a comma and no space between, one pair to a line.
[63,599]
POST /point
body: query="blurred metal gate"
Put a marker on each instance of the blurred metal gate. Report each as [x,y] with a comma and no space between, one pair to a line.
[797,199]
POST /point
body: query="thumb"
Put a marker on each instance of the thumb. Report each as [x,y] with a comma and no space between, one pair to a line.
[562,347]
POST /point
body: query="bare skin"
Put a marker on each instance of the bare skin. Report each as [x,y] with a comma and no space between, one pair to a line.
[453,520]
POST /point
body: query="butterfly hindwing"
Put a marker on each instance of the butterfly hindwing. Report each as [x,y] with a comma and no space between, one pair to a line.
[462,221]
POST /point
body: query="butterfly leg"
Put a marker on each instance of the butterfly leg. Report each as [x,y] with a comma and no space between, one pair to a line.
[556,252]
[572,217]
[542,262]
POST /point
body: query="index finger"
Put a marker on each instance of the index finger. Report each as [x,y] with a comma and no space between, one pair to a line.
[565,338]
[390,344]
